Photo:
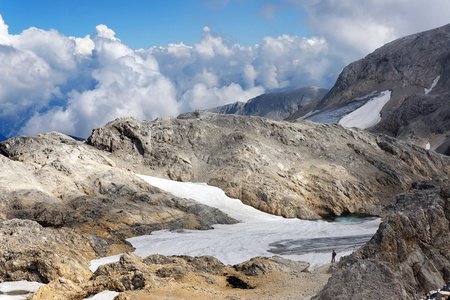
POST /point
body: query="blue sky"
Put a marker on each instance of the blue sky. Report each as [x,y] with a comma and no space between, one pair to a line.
[144,23]
[71,66]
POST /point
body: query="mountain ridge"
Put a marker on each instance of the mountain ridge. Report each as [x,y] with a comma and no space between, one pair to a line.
[288,169]
[275,106]
[415,69]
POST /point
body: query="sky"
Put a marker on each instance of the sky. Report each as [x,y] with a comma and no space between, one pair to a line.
[71,66]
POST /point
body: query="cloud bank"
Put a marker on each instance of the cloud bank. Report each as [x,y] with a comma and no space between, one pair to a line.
[357,27]
[51,82]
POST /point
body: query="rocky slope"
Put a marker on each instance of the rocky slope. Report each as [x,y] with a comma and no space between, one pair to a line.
[63,203]
[416,71]
[301,169]
[183,277]
[275,106]
[407,257]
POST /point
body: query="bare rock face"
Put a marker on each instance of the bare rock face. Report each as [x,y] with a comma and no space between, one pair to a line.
[34,253]
[416,70]
[64,203]
[408,256]
[300,169]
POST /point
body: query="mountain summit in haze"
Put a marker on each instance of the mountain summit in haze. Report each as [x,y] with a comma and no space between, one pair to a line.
[275,106]
[412,73]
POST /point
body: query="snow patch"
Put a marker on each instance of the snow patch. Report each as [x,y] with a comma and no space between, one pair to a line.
[435,81]
[233,244]
[18,290]
[367,115]
[105,295]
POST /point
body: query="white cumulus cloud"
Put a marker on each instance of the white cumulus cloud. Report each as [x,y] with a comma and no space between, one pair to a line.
[73,84]
[357,27]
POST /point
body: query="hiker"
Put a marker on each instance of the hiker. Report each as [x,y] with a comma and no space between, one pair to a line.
[333,256]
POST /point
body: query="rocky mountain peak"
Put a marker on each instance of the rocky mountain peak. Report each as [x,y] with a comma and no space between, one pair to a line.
[415,70]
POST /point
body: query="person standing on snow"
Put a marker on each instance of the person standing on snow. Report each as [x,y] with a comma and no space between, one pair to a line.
[333,256]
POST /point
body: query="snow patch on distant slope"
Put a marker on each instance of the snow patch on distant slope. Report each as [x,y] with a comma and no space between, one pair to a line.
[435,81]
[367,115]
[311,113]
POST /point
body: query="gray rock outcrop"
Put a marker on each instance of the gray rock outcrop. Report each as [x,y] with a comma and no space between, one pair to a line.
[301,169]
[31,252]
[63,203]
[275,106]
[148,278]
[416,71]
[408,256]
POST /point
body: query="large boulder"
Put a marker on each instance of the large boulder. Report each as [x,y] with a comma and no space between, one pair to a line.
[34,253]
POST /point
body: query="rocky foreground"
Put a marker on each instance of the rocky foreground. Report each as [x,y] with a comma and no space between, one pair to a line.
[181,277]
[407,257]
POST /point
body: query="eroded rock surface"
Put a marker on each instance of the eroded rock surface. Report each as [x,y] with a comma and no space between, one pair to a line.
[184,277]
[407,257]
[31,252]
[64,203]
[301,169]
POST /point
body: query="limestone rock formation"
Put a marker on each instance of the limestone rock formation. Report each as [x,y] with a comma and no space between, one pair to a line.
[407,257]
[300,169]
[64,203]
[416,71]
[275,106]
[34,253]
[184,277]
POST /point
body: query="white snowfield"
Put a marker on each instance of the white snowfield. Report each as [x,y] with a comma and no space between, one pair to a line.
[237,243]
[367,115]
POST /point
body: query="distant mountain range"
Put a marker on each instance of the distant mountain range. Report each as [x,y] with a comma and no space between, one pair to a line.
[415,70]
[275,106]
